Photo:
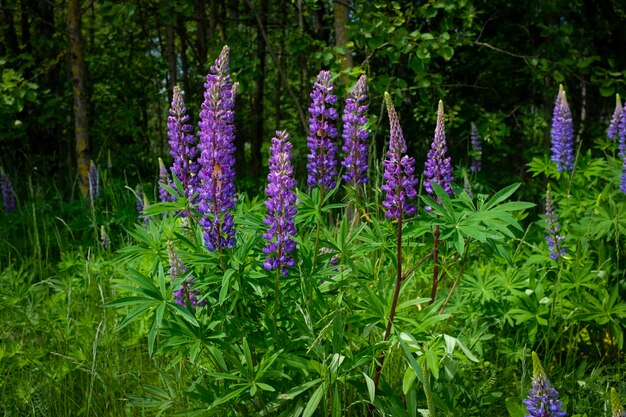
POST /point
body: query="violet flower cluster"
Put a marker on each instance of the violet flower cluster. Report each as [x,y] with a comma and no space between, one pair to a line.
[562,134]
[542,398]
[622,148]
[438,166]
[281,206]
[217,161]
[182,144]
[8,195]
[555,241]
[321,167]
[164,179]
[105,240]
[477,149]
[94,180]
[613,132]
[355,135]
[185,294]
[399,181]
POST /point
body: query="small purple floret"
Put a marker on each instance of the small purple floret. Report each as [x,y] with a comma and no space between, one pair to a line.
[281,206]
[355,135]
[322,166]
[477,150]
[94,180]
[613,132]
[164,179]
[185,294]
[399,181]
[8,195]
[622,148]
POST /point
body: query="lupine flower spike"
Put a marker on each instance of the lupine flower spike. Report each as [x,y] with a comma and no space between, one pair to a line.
[164,179]
[622,148]
[613,132]
[477,150]
[105,240]
[617,410]
[217,161]
[555,241]
[355,135]
[182,144]
[94,180]
[321,167]
[562,134]
[185,293]
[542,398]
[8,195]
[399,181]
[280,205]
[438,164]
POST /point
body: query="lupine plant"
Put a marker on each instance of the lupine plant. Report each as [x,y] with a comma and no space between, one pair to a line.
[617,410]
[562,134]
[164,181]
[613,131]
[94,181]
[477,149]
[621,130]
[308,313]
[8,194]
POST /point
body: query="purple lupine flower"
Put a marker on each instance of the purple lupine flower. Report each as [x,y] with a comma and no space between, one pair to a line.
[105,240]
[8,195]
[542,398]
[438,166]
[94,180]
[334,261]
[399,181]
[355,135]
[185,293]
[164,179]
[217,161]
[281,206]
[139,199]
[562,134]
[182,144]
[477,149]
[613,132]
[622,148]
[555,241]
[321,167]
[617,410]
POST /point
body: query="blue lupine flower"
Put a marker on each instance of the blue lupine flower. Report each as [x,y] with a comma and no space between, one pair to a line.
[622,148]
[217,160]
[399,181]
[542,398]
[8,195]
[182,144]
[94,180]
[281,206]
[164,179]
[185,294]
[477,149]
[555,241]
[562,134]
[613,132]
[355,135]
[322,166]
[438,164]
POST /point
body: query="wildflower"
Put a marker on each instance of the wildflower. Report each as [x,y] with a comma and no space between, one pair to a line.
[94,181]
[185,293]
[399,181]
[164,179]
[8,195]
[613,132]
[334,261]
[105,240]
[477,149]
[555,241]
[438,166]
[562,134]
[280,206]
[355,134]
[182,144]
[322,165]
[542,398]
[217,161]
[622,148]
[617,410]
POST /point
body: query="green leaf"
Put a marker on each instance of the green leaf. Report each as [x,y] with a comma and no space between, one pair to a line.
[371,388]
[314,401]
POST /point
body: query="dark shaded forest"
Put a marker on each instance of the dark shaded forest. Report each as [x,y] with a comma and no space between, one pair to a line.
[497,64]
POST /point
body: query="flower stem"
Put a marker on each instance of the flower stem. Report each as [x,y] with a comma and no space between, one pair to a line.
[433,292]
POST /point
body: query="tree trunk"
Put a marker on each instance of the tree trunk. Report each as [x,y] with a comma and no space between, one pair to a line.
[341,35]
[170,48]
[259,92]
[78,72]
